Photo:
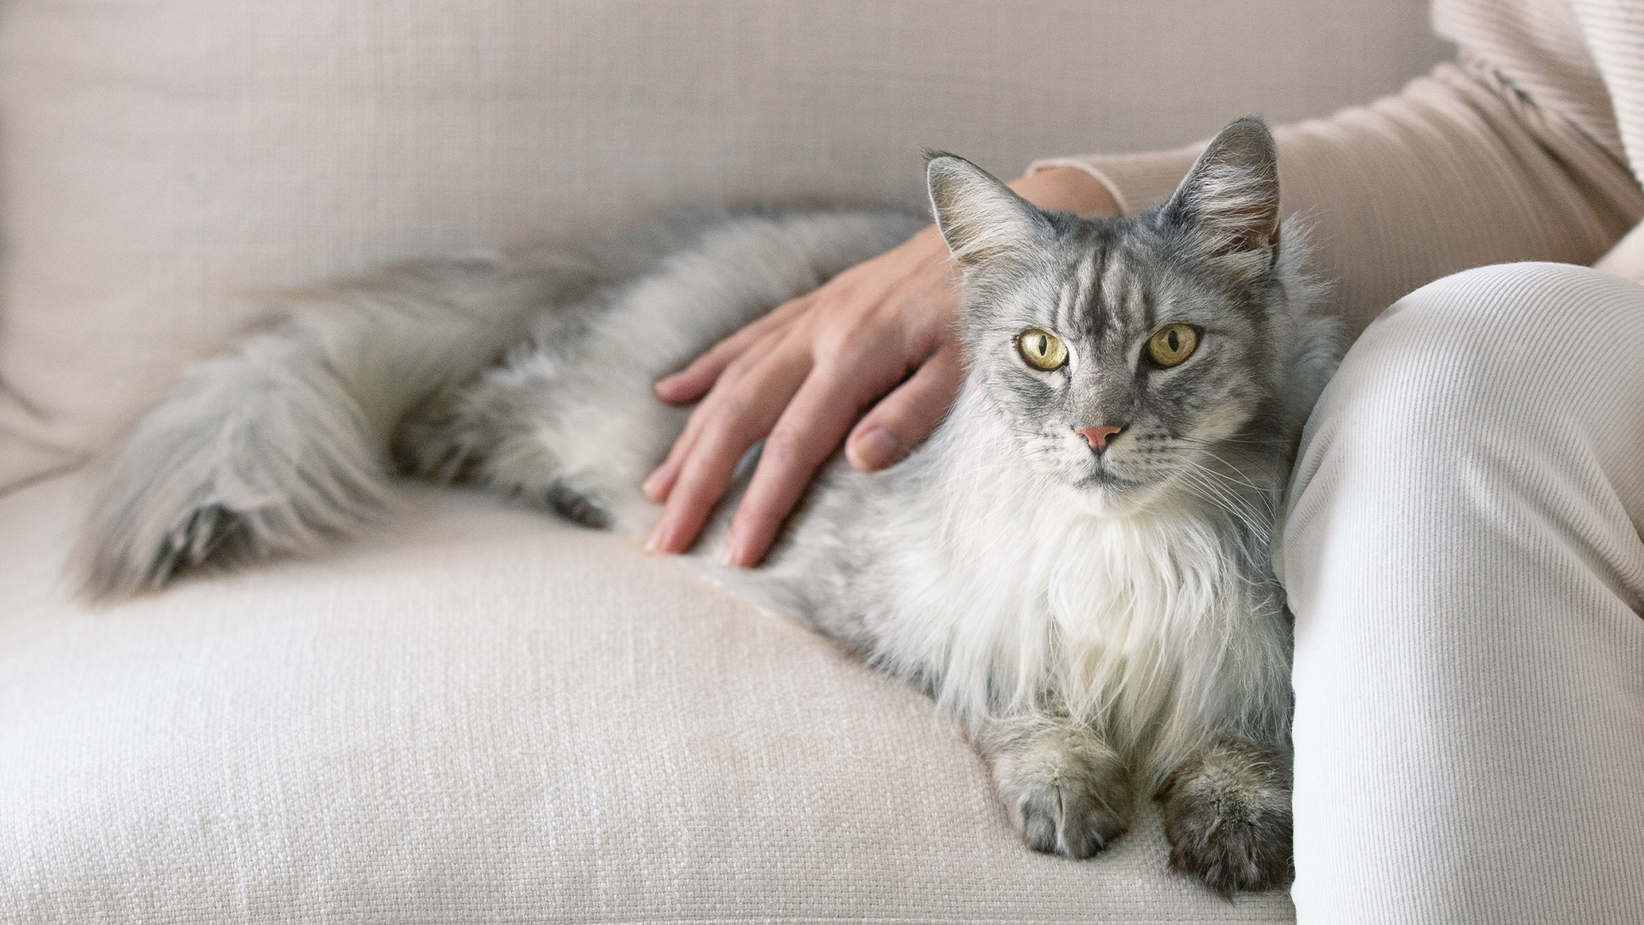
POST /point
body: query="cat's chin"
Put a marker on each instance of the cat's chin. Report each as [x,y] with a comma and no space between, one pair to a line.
[1110,498]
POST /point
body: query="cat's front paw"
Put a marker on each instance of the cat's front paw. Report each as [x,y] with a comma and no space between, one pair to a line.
[1065,790]
[1227,817]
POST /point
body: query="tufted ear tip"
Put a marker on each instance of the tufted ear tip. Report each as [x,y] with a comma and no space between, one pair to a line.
[945,176]
[1230,199]
[980,217]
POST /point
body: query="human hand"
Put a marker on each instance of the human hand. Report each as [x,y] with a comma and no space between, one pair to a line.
[879,337]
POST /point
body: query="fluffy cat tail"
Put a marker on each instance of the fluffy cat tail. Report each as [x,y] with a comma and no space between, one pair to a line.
[281,447]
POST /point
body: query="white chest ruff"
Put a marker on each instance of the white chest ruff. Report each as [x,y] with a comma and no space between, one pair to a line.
[1132,623]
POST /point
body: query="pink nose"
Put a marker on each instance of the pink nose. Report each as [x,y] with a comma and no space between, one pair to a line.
[1098,436]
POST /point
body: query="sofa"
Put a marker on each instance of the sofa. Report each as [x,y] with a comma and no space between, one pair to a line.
[476,713]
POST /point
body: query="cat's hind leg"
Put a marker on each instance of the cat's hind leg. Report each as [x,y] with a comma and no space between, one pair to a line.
[545,432]
[1227,816]
[1065,788]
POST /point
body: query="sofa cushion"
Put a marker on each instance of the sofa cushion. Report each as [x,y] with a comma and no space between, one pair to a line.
[161,158]
[484,715]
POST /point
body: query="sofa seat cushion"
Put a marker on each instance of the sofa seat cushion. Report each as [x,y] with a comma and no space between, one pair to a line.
[481,714]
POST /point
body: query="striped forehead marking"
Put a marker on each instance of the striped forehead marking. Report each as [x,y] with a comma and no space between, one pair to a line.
[1081,291]
[1119,284]
[1065,302]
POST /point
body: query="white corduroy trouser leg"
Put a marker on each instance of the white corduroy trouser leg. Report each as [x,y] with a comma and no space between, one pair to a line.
[1463,556]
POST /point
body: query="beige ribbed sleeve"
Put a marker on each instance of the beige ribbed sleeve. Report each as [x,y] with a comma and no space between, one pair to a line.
[1458,170]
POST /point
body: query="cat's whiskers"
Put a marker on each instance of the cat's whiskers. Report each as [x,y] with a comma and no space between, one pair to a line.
[1254,514]
[1232,472]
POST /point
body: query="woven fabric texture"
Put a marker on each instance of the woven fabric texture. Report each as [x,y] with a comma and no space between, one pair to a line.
[481,715]
[485,715]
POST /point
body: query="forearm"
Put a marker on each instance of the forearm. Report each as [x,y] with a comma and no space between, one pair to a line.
[1067,189]
[1450,174]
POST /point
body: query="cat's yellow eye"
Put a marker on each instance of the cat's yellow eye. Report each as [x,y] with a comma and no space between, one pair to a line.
[1041,349]
[1172,344]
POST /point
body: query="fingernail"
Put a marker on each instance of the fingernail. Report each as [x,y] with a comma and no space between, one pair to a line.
[878,448]
[667,384]
[653,543]
[732,556]
[660,483]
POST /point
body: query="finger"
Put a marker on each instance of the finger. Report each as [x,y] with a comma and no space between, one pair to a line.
[808,431]
[732,426]
[768,338]
[660,483]
[907,416]
[694,381]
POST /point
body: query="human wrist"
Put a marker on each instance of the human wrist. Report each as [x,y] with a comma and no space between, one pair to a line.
[1067,189]
[928,247]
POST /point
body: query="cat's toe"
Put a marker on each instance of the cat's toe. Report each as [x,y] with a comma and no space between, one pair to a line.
[1227,817]
[1068,819]
[1066,792]
[577,507]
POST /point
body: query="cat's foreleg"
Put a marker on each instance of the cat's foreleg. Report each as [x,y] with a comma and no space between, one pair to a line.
[1064,787]
[1227,815]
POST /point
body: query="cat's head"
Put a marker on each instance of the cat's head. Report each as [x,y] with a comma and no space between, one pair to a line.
[1126,355]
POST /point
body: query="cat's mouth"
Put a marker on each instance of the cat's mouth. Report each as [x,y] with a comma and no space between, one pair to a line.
[1101,478]
[1104,494]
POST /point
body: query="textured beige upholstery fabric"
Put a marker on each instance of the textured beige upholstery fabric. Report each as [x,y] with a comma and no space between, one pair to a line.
[482,715]
[163,156]
[490,716]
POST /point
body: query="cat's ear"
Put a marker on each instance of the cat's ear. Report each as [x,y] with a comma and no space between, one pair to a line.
[981,218]
[1229,202]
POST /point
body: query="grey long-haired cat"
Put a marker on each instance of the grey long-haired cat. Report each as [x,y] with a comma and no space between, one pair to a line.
[1076,564]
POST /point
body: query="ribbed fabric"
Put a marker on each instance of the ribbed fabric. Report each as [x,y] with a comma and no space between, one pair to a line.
[1541,48]
[1615,34]
[1519,153]
[1464,559]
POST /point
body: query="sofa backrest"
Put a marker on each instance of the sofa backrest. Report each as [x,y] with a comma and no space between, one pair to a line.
[160,158]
